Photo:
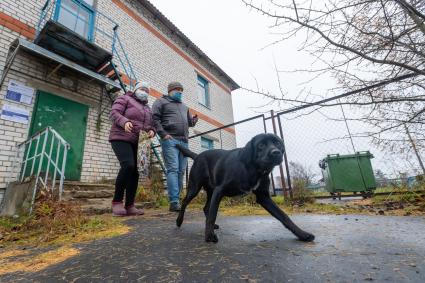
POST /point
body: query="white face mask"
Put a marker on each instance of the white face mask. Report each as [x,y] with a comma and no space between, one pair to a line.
[141,95]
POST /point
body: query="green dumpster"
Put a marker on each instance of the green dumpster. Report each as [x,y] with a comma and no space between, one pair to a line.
[348,173]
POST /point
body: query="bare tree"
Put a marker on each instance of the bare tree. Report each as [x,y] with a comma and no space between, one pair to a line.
[375,46]
[301,173]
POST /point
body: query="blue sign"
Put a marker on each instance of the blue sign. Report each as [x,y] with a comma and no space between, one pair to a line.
[15,114]
[19,92]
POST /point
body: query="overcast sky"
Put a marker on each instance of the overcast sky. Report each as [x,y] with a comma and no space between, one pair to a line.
[236,38]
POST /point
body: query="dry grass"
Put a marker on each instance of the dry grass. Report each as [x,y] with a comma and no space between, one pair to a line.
[12,253]
[403,204]
[314,208]
[57,222]
[10,263]
[53,224]
[239,210]
[98,227]
[152,189]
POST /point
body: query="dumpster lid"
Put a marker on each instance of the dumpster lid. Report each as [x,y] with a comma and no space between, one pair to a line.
[357,154]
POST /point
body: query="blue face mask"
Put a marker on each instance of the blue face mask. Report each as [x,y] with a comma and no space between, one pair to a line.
[141,95]
[176,96]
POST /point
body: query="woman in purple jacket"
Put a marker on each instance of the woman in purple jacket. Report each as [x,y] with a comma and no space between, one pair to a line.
[130,114]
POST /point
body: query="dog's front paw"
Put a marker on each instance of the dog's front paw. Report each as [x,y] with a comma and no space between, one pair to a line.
[211,237]
[306,237]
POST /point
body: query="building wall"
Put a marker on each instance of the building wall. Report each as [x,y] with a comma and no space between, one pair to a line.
[158,64]
[153,60]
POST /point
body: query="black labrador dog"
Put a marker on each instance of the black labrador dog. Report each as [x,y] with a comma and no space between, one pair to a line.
[237,172]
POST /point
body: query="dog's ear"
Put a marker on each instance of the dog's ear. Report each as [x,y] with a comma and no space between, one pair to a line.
[248,152]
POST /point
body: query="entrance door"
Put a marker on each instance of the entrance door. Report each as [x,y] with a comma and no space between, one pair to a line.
[69,119]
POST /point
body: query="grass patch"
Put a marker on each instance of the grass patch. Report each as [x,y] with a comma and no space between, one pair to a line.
[26,232]
[56,222]
[239,209]
[11,263]
[97,227]
[55,226]
[242,210]
[12,253]
[316,208]
[401,197]
[152,189]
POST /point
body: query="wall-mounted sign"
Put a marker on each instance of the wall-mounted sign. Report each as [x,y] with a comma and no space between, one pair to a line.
[14,114]
[19,92]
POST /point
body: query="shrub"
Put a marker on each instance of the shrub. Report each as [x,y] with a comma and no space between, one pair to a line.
[301,194]
[152,188]
[49,220]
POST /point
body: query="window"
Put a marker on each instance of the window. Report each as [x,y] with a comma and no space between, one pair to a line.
[207,143]
[77,15]
[203,92]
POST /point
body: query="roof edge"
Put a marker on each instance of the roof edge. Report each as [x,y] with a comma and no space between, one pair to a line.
[162,18]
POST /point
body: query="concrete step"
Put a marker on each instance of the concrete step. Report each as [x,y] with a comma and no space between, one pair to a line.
[103,205]
[68,195]
[79,186]
[95,206]
[94,198]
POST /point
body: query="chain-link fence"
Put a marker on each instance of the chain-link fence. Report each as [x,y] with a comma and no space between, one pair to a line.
[311,134]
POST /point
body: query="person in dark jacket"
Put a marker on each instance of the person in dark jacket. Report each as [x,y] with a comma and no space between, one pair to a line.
[172,121]
[130,114]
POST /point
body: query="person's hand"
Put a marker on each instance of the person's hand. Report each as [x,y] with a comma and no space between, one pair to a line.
[128,127]
[195,118]
[151,134]
[168,137]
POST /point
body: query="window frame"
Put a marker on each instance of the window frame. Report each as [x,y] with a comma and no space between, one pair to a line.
[89,8]
[205,84]
[209,141]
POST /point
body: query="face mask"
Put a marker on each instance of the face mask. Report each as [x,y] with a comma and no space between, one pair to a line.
[141,95]
[176,95]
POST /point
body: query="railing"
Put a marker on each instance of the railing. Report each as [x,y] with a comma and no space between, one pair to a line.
[46,13]
[118,52]
[45,153]
[104,32]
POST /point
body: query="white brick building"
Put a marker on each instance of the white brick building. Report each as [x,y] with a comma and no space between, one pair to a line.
[158,51]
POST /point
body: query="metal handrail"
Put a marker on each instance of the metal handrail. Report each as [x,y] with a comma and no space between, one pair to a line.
[44,13]
[158,154]
[26,157]
[125,64]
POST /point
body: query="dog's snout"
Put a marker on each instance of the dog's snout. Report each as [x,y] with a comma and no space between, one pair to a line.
[275,152]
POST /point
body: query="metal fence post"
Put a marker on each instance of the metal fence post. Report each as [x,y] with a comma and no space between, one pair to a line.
[285,157]
[271,174]
[415,149]
[282,176]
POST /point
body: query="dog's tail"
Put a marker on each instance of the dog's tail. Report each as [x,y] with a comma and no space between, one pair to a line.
[186,152]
